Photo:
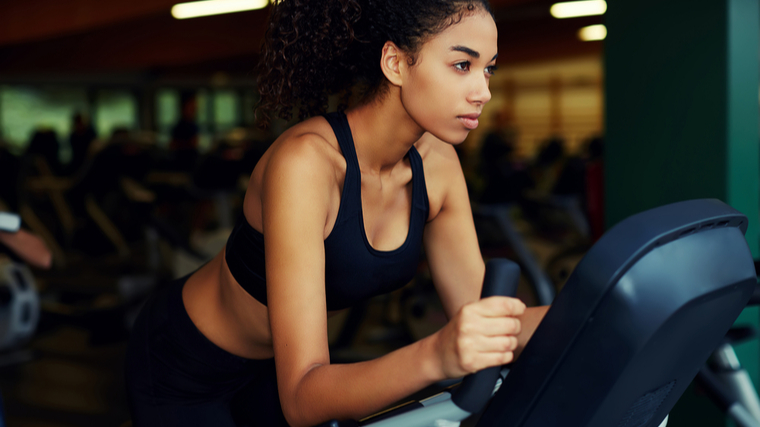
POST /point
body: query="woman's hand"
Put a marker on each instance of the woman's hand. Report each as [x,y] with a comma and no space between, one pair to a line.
[481,335]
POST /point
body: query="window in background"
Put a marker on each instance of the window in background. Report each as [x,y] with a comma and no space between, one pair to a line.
[563,98]
[167,114]
[218,112]
[205,123]
[114,109]
[582,108]
[533,106]
[226,111]
[24,109]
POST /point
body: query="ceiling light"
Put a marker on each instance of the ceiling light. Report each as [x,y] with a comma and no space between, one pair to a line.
[215,7]
[573,9]
[592,32]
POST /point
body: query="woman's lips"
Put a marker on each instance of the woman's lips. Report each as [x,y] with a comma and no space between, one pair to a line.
[470,121]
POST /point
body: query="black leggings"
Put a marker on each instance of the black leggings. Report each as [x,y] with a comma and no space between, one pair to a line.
[176,377]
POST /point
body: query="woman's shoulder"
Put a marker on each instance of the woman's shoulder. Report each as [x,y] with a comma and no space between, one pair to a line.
[306,155]
[310,143]
[314,133]
[303,160]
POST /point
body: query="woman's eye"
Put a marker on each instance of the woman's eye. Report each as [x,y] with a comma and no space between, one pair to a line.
[462,66]
[491,70]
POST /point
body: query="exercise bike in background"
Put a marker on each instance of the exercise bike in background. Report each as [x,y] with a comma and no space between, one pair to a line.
[19,300]
[19,305]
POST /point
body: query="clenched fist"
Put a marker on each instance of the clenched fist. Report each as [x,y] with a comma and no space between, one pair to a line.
[481,335]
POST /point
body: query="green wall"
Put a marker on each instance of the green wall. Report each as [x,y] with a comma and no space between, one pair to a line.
[682,121]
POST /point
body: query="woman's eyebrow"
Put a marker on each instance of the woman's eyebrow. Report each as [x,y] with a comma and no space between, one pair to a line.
[467,50]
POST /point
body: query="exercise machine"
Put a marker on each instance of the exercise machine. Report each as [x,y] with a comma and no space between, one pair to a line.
[19,301]
[636,320]
[725,380]
[19,305]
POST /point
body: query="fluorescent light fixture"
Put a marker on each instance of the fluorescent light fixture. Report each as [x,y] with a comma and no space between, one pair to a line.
[573,9]
[215,7]
[592,33]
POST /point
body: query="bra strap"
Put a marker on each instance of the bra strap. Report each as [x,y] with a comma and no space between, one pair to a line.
[339,123]
[418,177]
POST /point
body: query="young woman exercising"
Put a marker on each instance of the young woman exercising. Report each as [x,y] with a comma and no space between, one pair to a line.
[338,210]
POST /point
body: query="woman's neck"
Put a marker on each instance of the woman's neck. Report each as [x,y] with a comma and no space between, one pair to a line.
[383,133]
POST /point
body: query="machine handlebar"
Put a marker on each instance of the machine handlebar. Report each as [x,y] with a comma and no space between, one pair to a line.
[472,394]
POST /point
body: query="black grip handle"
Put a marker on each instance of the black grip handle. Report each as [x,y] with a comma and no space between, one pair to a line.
[502,277]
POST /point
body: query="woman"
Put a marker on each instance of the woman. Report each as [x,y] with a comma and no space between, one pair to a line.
[337,210]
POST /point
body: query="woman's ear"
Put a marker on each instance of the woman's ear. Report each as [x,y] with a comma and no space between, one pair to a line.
[392,63]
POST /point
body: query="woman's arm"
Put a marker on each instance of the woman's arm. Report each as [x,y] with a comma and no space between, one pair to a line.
[451,244]
[296,190]
[295,194]
[28,247]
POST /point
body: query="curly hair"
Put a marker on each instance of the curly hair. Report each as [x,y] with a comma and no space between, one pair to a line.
[316,48]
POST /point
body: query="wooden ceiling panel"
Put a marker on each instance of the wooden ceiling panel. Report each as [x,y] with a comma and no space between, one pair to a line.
[147,43]
[95,36]
[30,20]
[33,20]
[548,38]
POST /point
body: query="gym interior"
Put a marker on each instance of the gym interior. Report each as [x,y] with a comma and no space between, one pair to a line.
[127,138]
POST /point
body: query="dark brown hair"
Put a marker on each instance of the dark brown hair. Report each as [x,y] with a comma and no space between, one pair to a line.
[316,48]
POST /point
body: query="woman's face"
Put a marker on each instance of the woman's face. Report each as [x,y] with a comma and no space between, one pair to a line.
[444,92]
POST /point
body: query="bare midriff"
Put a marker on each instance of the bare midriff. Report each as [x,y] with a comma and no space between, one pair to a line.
[225,313]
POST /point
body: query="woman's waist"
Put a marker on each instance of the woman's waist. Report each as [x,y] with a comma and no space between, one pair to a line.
[226,314]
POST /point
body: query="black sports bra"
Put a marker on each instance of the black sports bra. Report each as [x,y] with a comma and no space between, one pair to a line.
[354,270]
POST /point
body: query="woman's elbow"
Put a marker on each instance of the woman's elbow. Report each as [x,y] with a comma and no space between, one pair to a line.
[301,399]
[301,412]
[296,417]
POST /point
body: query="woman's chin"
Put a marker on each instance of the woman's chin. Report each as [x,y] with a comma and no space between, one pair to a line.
[454,139]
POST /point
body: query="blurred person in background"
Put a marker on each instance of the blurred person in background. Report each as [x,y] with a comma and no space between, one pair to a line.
[80,140]
[548,165]
[10,168]
[504,177]
[184,140]
[595,186]
[42,154]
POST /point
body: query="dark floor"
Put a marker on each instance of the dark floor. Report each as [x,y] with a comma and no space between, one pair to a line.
[70,371]
[68,382]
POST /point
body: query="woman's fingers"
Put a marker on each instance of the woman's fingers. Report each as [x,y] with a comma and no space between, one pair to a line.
[474,346]
[482,334]
[500,344]
[492,316]
[486,352]
[498,326]
[499,306]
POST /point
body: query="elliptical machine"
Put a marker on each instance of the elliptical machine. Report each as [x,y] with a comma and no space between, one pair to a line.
[629,331]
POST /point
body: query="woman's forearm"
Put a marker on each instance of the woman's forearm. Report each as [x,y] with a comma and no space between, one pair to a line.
[30,248]
[357,390]
[354,391]
[528,323]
